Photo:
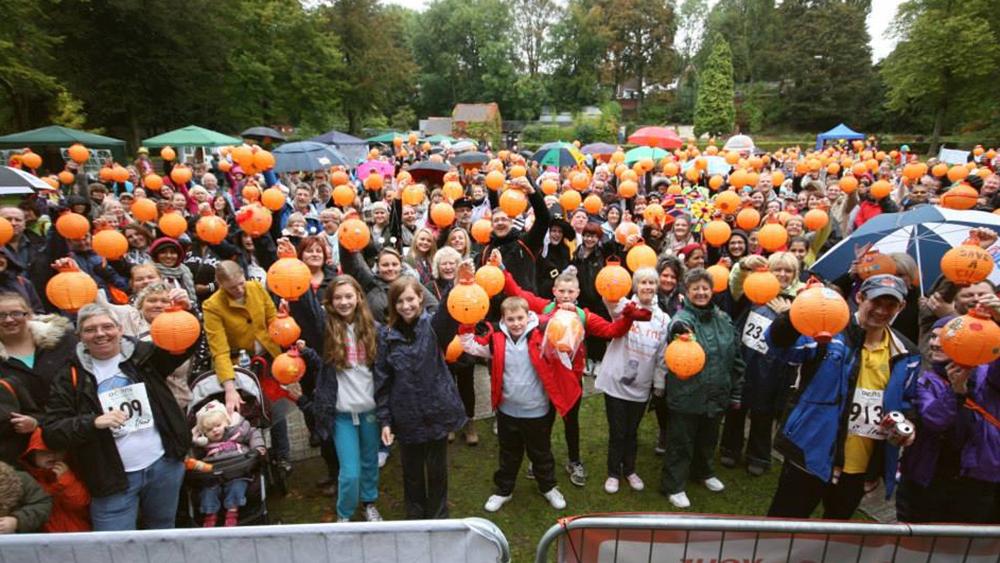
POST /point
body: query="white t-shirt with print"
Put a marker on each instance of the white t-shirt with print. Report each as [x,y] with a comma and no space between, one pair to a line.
[139,444]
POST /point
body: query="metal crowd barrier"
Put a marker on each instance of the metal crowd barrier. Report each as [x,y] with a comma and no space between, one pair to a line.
[720,539]
[468,540]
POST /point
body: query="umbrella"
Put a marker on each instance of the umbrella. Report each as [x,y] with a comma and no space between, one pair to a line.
[306,156]
[438,139]
[263,132]
[558,154]
[716,165]
[461,146]
[385,137]
[427,171]
[18,182]
[925,233]
[473,158]
[656,137]
[598,148]
[739,143]
[640,153]
[191,136]
[379,166]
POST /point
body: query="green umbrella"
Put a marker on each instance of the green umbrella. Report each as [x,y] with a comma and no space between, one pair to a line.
[558,154]
[640,153]
[438,139]
[191,136]
[385,137]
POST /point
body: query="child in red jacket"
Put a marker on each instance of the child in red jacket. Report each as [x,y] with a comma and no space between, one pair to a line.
[566,289]
[70,498]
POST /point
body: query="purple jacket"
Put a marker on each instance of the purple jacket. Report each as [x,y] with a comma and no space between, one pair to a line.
[942,417]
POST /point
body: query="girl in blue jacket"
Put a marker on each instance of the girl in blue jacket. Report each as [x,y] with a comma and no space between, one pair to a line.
[343,402]
[417,399]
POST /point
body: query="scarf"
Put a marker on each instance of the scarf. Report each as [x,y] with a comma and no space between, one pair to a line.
[179,273]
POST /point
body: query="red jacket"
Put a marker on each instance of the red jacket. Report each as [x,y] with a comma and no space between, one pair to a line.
[593,324]
[70,498]
[561,385]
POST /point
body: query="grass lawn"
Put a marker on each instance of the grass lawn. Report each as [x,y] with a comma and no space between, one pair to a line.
[527,516]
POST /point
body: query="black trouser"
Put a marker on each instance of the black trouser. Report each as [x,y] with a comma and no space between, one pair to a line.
[659,405]
[959,499]
[425,479]
[800,492]
[759,443]
[571,429]
[623,428]
[466,383]
[518,436]
[691,441]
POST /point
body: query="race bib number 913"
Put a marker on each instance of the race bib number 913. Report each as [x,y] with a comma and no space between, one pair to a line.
[865,416]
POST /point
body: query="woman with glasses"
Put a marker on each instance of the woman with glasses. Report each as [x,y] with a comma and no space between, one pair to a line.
[33,349]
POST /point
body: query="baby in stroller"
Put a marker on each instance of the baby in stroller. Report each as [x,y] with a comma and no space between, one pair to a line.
[219,436]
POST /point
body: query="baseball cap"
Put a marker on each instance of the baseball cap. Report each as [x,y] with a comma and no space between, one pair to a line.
[884,284]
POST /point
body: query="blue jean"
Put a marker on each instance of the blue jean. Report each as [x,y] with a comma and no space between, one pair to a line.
[153,490]
[357,448]
[233,494]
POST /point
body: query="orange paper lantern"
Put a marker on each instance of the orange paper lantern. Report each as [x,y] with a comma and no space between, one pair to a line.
[288,367]
[71,289]
[353,234]
[454,351]
[640,256]
[110,244]
[273,198]
[31,160]
[143,209]
[971,340]
[961,196]
[819,313]
[593,204]
[716,233]
[848,184]
[579,181]
[211,229]
[957,173]
[442,214]
[967,263]
[6,231]
[283,330]
[66,177]
[263,160]
[880,189]
[180,174]
[78,153]
[613,282]
[254,219]
[468,303]
[490,278]
[873,263]
[175,330]
[684,357]
[168,154]
[748,219]
[513,202]
[481,231]
[374,182]
[761,286]
[495,180]
[570,200]
[816,219]
[628,189]
[720,277]
[772,236]
[72,226]
[727,202]
[343,195]
[626,229]
[172,224]
[289,278]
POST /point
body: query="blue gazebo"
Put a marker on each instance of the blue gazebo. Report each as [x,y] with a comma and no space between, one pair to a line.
[839,132]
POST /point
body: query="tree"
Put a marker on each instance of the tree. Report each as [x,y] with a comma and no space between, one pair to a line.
[378,66]
[578,42]
[532,20]
[945,62]
[828,77]
[26,54]
[640,42]
[714,111]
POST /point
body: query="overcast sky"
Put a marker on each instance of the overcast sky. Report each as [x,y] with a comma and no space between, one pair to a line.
[882,14]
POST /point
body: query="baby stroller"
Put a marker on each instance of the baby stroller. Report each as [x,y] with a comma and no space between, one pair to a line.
[256,410]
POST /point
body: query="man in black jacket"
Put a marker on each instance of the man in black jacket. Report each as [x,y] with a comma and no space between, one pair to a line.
[520,250]
[113,412]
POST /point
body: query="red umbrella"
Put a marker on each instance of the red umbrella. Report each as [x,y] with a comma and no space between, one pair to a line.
[656,137]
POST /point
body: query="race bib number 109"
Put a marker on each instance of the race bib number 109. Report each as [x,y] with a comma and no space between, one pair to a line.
[133,401]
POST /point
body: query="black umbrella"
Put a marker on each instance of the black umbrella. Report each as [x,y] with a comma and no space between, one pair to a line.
[526,153]
[429,172]
[598,148]
[471,158]
[19,182]
[262,132]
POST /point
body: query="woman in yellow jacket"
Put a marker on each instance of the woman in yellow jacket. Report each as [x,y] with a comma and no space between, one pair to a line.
[236,318]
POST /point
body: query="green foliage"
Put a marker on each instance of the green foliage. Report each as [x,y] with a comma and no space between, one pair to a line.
[68,111]
[489,130]
[714,112]
[538,133]
[946,61]
[404,119]
[26,59]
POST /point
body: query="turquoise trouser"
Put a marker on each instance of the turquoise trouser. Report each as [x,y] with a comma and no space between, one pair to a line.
[356,437]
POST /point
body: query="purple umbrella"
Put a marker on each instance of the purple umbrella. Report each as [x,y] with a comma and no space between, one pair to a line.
[380,166]
[598,148]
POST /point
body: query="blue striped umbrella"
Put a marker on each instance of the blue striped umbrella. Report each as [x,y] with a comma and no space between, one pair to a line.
[925,233]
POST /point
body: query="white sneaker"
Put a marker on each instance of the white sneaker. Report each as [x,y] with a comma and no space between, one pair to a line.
[382,458]
[555,498]
[635,482]
[680,500]
[713,484]
[372,514]
[495,502]
[611,485]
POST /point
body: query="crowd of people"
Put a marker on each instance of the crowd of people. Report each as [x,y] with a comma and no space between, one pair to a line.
[98,426]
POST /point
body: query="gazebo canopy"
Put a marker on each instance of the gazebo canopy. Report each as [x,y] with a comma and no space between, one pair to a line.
[191,136]
[334,137]
[58,137]
[839,132]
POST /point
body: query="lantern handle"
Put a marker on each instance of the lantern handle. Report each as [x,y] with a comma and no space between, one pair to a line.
[613,261]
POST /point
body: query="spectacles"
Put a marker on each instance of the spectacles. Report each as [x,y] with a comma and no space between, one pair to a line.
[16,315]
